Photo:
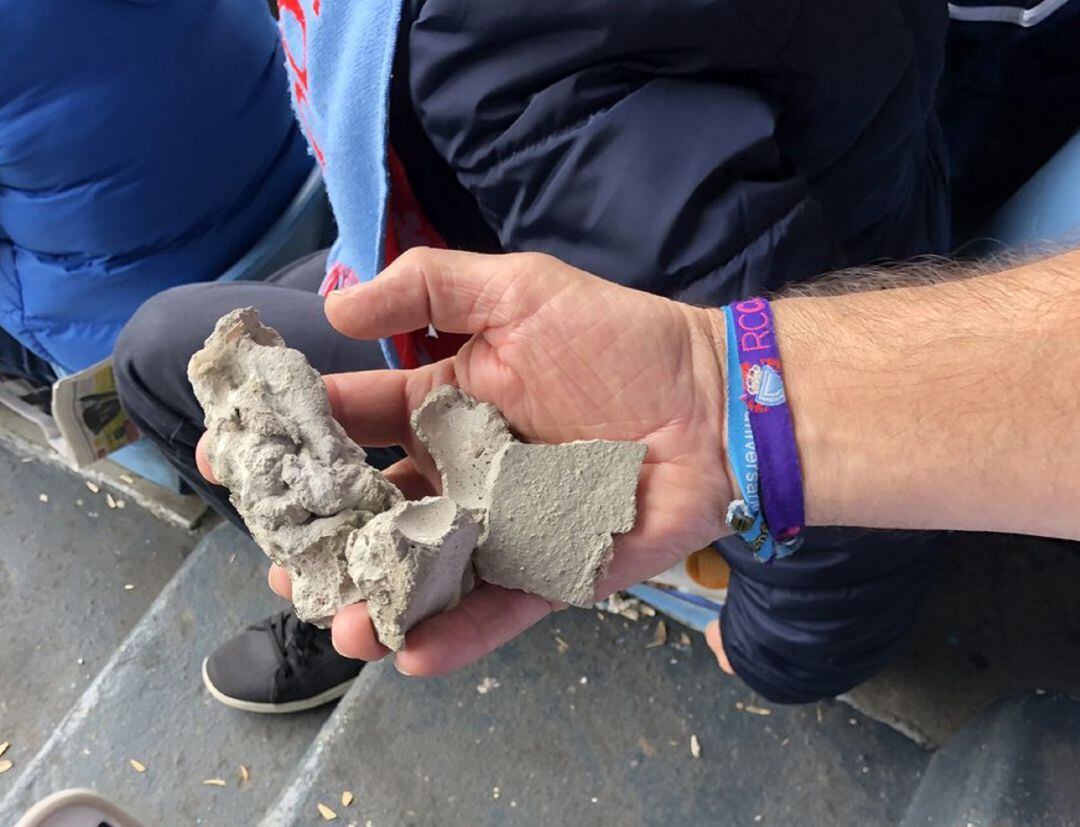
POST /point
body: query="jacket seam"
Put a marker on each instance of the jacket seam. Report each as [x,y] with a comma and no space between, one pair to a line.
[567,129]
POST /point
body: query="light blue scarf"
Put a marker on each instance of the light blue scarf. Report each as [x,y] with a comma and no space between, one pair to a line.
[340,54]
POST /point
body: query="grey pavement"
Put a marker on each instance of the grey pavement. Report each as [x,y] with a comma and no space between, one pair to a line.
[64,608]
[580,721]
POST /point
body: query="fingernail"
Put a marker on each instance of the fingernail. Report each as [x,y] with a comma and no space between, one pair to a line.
[401,669]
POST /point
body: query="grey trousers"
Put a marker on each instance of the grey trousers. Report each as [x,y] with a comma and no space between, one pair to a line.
[152,352]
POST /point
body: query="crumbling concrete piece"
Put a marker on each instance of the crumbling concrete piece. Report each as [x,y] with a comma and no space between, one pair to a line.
[412,562]
[464,437]
[553,510]
[300,484]
[548,512]
[539,518]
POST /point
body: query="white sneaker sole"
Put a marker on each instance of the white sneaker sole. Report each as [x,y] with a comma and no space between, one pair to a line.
[325,697]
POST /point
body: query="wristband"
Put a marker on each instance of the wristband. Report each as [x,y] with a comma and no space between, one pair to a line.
[744,515]
[761,437]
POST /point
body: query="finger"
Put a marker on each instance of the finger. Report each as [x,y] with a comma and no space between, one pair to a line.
[716,643]
[202,462]
[353,635]
[374,405]
[455,291]
[482,622]
[279,581]
[409,480]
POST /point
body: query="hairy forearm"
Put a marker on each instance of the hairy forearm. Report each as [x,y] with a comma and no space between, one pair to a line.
[949,405]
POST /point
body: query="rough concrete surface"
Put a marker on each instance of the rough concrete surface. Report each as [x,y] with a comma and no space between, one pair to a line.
[65,568]
[548,511]
[412,562]
[464,437]
[577,722]
[540,517]
[1001,619]
[23,437]
[301,485]
[148,703]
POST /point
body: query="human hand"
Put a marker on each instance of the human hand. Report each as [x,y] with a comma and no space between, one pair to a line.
[565,356]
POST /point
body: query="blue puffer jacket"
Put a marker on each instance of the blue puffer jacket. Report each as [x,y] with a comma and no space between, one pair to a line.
[143,144]
[705,150]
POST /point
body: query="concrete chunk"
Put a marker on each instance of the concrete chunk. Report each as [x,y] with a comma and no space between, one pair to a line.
[539,518]
[548,512]
[412,562]
[553,511]
[300,484]
[463,436]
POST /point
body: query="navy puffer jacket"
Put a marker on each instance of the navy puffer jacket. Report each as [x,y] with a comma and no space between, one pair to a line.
[703,150]
[696,149]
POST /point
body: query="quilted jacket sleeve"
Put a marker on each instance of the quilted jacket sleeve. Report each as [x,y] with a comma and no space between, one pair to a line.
[623,161]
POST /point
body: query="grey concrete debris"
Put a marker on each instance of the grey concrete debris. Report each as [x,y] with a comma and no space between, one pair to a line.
[412,562]
[464,437]
[548,511]
[296,478]
[553,511]
[539,518]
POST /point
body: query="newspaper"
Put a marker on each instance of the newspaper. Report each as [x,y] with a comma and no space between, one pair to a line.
[87,413]
[79,416]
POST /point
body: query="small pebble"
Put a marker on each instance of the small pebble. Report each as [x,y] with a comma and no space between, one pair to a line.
[43,497]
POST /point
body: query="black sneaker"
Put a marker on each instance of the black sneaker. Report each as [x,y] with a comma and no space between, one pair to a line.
[279,665]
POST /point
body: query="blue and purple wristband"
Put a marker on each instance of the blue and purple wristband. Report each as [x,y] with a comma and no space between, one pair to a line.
[769,512]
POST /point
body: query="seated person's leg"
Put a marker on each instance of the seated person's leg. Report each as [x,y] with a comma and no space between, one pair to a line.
[280,664]
[818,623]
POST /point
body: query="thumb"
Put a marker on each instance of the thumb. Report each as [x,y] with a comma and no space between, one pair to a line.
[457,292]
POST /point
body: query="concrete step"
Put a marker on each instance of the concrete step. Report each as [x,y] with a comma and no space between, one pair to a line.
[148,704]
[1015,764]
[599,732]
[1001,619]
[65,565]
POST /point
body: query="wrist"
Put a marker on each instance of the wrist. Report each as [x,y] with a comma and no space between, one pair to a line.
[709,331]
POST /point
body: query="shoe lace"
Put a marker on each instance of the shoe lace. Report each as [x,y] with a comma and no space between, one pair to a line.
[292,638]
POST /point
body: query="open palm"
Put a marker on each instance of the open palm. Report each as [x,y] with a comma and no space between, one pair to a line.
[565,356]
